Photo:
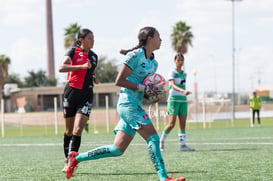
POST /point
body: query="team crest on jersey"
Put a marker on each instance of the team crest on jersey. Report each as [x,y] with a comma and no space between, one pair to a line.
[81,54]
[145,116]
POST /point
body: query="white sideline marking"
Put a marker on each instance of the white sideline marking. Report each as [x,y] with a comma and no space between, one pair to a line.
[32,144]
[135,144]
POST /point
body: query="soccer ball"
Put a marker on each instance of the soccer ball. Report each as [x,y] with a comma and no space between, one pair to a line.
[159,82]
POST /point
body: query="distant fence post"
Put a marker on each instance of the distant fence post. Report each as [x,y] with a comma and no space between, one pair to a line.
[157,116]
[107,113]
[56,115]
[251,118]
[204,111]
[2,118]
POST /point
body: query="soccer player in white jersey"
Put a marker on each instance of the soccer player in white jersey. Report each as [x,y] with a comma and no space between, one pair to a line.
[177,103]
[139,63]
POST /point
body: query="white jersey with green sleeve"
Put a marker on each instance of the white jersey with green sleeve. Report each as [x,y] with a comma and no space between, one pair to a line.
[141,67]
[179,80]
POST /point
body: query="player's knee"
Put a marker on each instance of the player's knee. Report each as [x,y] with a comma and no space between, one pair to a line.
[77,130]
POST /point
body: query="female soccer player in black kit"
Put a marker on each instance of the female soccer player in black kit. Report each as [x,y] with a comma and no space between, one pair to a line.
[80,63]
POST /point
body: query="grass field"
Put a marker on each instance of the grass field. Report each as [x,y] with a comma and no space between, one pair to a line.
[222,153]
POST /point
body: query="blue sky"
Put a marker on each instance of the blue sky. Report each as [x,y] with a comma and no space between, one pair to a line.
[116,23]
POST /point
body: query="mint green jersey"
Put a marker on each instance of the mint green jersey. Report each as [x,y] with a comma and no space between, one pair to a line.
[179,80]
[141,67]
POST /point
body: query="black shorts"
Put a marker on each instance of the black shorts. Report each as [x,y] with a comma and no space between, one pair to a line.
[77,101]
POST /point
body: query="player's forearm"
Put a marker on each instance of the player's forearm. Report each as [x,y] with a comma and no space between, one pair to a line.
[69,68]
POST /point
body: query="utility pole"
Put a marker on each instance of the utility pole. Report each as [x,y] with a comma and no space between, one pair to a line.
[50,46]
[233,58]
[259,72]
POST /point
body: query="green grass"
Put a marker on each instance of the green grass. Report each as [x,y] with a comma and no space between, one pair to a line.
[223,152]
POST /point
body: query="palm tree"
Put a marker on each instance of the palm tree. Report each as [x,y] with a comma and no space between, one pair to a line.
[4,74]
[70,34]
[181,37]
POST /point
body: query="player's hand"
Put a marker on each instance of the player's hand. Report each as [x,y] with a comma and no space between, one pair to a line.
[151,90]
[87,65]
[95,79]
[186,92]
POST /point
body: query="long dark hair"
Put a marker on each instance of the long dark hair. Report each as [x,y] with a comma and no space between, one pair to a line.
[81,34]
[143,35]
[178,55]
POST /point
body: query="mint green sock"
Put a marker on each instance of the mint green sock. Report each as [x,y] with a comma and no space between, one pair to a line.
[182,131]
[99,152]
[165,131]
[155,154]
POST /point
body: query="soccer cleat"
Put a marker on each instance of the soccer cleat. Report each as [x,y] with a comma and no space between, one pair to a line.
[175,179]
[72,165]
[161,145]
[186,148]
[65,165]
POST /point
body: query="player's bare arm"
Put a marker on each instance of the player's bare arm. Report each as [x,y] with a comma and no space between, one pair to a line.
[175,87]
[67,67]
[121,80]
[96,80]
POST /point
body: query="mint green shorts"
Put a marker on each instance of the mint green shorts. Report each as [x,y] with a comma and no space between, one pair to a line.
[177,108]
[131,118]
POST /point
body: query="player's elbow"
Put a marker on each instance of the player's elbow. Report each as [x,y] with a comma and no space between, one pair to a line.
[118,82]
[61,69]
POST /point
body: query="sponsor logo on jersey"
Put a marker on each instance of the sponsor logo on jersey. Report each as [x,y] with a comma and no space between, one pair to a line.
[79,59]
[143,65]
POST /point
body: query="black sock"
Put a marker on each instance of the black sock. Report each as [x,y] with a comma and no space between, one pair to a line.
[66,144]
[75,143]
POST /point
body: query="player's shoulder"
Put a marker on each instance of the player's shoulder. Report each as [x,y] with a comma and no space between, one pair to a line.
[71,49]
[93,55]
[70,52]
[136,53]
[172,72]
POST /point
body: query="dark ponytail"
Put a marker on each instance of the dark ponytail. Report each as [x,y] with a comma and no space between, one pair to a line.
[81,34]
[143,35]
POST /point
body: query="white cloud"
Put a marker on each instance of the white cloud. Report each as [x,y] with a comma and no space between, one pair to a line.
[26,55]
[22,12]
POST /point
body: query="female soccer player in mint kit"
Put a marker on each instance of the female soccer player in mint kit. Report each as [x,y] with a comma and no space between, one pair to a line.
[139,63]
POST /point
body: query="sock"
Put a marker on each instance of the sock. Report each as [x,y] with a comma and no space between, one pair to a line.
[182,137]
[164,135]
[74,143]
[155,155]
[66,141]
[100,152]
